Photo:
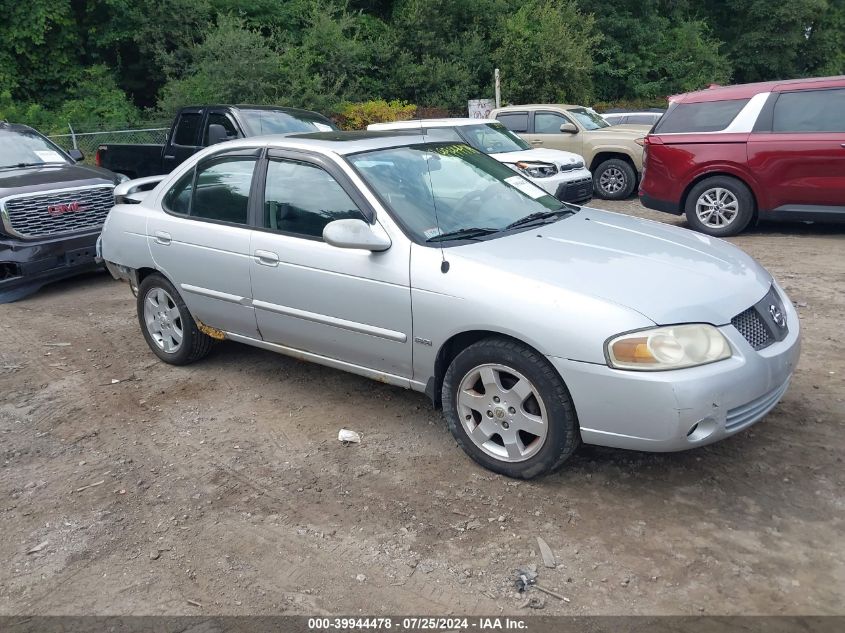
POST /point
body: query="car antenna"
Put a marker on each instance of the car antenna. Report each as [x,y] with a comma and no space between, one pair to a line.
[444,264]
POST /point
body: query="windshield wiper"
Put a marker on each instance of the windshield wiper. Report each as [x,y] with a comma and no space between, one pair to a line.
[19,165]
[531,218]
[469,233]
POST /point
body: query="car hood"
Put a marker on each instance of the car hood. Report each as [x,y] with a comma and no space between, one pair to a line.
[554,156]
[622,132]
[668,274]
[49,177]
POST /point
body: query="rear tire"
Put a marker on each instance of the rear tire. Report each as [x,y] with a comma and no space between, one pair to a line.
[614,179]
[720,206]
[509,410]
[167,325]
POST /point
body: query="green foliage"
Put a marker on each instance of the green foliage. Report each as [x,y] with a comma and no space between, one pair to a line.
[546,53]
[101,63]
[357,116]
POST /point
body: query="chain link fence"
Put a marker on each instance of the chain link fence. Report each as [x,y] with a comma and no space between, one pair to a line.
[89,141]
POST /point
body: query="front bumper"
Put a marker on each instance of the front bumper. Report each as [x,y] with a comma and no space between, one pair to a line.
[568,186]
[26,265]
[681,409]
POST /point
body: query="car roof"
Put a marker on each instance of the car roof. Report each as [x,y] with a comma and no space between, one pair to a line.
[341,143]
[418,123]
[249,106]
[746,91]
[5,126]
[538,106]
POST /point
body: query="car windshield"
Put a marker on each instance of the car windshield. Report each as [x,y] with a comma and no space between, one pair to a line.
[444,191]
[589,119]
[493,138]
[278,122]
[27,148]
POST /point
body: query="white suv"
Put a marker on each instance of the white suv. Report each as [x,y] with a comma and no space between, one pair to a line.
[560,173]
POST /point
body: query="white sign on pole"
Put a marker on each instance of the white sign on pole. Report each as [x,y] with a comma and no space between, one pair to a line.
[480,108]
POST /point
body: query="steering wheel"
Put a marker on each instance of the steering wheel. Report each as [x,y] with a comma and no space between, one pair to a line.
[470,202]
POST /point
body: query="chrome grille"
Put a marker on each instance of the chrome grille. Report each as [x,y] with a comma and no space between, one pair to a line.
[57,212]
[753,328]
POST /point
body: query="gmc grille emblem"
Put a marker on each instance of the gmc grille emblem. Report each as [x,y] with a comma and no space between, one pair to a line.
[61,209]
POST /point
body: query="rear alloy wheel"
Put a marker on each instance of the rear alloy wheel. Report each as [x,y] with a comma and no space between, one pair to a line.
[720,206]
[508,409]
[614,179]
[167,325]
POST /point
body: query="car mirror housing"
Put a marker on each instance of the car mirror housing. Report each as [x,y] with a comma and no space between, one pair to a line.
[217,134]
[76,154]
[569,128]
[353,233]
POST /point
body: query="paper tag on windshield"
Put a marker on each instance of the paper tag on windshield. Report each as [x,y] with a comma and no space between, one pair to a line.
[429,233]
[49,156]
[530,190]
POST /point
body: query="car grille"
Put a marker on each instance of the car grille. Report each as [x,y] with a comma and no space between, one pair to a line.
[751,325]
[751,412]
[57,212]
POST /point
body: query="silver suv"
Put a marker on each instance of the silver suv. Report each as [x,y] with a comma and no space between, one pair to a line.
[429,265]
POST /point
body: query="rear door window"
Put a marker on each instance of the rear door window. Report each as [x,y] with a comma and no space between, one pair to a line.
[514,121]
[709,116]
[187,129]
[810,111]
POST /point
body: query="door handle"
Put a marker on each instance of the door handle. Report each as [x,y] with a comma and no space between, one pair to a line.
[163,238]
[536,141]
[169,156]
[266,258]
[842,145]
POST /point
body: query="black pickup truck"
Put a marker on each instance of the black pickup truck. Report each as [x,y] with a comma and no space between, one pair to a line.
[196,127]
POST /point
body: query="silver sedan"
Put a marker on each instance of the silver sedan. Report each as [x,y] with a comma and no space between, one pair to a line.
[535,324]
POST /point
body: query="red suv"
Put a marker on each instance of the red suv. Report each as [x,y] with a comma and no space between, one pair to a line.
[769,151]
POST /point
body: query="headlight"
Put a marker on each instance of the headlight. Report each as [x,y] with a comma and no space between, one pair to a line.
[121,178]
[670,347]
[536,170]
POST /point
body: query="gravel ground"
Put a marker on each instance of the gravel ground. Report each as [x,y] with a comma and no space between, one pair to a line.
[221,488]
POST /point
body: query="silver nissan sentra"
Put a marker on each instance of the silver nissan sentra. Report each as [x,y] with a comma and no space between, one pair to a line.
[535,324]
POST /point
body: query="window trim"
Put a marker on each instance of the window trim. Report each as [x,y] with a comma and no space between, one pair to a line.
[246,152]
[312,159]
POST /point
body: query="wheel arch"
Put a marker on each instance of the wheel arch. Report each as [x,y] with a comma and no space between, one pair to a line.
[453,346]
[604,155]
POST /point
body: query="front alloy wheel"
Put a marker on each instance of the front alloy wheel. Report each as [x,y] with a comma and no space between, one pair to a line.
[508,408]
[502,412]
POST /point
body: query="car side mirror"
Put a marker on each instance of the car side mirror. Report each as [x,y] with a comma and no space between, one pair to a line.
[569,128]
[353,233]
[217,134]
[76,154]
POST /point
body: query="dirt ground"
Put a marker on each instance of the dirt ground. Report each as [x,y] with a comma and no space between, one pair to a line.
[221,488]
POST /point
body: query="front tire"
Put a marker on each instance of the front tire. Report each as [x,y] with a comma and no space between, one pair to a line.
[167,325]
[720,206]
[614,179]
[509,410]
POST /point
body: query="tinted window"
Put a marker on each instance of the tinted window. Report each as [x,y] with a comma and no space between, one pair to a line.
[514,121]
[301,199]
[710,116]
[178,199]
[222,189]
[215,118]
[186,129]
[548,123]
[280,122]
[810,111]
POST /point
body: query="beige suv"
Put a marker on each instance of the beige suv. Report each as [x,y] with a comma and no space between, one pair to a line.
[612,153]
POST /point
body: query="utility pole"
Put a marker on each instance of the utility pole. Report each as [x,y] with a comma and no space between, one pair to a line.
[497,83]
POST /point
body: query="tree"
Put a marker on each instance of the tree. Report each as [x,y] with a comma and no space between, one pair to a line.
[546,53]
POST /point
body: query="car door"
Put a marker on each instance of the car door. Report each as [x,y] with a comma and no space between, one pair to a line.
[350,305]
[799,155]
[546,132]
[201,240]
[184,140]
